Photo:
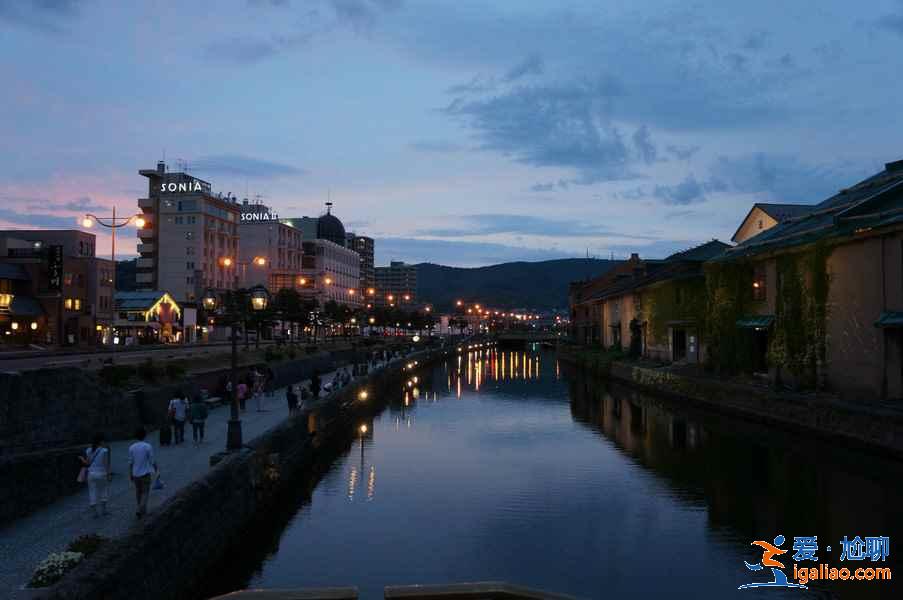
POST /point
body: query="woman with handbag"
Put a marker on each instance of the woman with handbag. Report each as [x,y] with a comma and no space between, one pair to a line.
[96,471]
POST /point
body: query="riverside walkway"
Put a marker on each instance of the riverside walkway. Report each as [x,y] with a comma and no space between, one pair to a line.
[27,541]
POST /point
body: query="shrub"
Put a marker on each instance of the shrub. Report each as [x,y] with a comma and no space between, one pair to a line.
[53,568]
[115,375]
[292,353]
[271,354]
[87,544]
[175,370]
[148,371]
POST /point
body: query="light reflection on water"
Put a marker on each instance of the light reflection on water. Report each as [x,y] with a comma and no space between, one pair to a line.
[504,465]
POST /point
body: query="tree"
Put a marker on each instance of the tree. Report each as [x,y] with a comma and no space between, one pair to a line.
[288,307]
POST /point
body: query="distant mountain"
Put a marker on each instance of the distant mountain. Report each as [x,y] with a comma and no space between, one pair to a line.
[540,285]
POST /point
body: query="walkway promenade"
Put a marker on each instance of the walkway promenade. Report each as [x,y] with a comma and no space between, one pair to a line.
[27,541]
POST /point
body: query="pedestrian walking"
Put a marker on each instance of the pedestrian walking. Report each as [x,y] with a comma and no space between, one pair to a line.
[142,465]
[178,413]
[292,399]
[97,462]
[198,419]
[242,391]
[315,385]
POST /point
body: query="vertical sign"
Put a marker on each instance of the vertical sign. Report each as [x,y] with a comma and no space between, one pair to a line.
[55,268]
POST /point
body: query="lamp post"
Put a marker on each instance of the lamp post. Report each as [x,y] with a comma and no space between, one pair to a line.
[234,310]
[113,223]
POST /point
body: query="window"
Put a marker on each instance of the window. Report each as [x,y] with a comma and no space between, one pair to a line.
[760,223]
[76,304]
[759,283]
[179,220]
[189,250]
[67,303]
[189,235]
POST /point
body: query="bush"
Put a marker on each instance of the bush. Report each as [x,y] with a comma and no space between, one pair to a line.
[148,371]
[292,353]
[175,370]
[53,568]
[87,544]
[115,375]
[271,354]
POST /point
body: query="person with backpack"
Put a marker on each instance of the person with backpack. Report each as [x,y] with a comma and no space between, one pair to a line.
[198,419]
[96,463]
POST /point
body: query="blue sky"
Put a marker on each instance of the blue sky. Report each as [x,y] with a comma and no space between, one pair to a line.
[457,132]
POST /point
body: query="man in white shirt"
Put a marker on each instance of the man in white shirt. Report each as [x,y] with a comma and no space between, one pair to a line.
[178,411]
[141,466]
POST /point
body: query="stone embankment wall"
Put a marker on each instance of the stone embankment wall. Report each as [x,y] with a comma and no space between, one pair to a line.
[61,409]
[867,426]
[167,555]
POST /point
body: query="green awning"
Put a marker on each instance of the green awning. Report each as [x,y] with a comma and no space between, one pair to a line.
[755,322]
[890,319]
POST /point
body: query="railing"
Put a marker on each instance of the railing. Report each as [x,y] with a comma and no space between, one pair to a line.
[490,590]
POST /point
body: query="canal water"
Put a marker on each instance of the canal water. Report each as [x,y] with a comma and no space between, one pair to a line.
[505,465]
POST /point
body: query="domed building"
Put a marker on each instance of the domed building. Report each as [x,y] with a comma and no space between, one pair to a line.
[329,227]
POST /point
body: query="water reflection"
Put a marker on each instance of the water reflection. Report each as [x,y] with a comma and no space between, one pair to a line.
[504,464]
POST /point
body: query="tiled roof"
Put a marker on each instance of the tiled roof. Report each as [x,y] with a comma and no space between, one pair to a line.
[702,252]
[13,271]
[869,203]
[782,212]
[137,300]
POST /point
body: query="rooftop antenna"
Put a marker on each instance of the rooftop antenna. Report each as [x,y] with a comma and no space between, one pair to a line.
[329,208]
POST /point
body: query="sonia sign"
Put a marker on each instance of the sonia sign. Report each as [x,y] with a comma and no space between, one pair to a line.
[182,186]
[250,217]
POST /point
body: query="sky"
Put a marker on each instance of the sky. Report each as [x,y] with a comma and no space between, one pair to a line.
[460,132]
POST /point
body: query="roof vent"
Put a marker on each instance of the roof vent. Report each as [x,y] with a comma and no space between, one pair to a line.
[894,167]
[634,256]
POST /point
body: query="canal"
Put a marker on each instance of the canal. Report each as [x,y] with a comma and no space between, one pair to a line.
[506,465]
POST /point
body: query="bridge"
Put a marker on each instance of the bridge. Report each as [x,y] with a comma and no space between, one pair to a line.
[526,337]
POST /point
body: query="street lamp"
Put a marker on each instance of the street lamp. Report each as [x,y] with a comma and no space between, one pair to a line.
[113,223]
[258,298]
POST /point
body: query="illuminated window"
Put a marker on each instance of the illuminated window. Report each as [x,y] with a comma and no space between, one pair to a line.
[5,300]
[68,303]
[77,304]
[760,283]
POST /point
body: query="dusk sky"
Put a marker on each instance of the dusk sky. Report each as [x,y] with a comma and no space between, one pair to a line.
[459,132]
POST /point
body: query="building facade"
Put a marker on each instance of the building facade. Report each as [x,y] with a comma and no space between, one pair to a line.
[396,284]
[364,246]
[73,287]
[191,239]
[270,250]
[330,272]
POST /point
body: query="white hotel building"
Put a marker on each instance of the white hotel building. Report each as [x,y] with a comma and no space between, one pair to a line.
[190,242]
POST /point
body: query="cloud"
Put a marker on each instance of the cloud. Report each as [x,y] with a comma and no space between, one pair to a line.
[642,141]
[436,146]
[242,166]
[564,125]
[49,16]
[784,178]
[756,40]
[892,22]
[362,14]
[79,205]
[492,224]
[687,191]
[657,249]
[532,65]
[37,220]
[458,253]
[682,152]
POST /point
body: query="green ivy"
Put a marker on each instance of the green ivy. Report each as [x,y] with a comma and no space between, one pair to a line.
[728,299]
[798,342]
[674,301]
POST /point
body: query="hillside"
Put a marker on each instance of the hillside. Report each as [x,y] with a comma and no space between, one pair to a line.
[541,285]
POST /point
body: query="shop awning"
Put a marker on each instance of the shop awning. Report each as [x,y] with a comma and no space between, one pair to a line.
[755,322]
[25,307]
[890,320]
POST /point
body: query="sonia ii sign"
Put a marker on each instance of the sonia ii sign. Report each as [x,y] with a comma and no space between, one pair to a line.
[263,216]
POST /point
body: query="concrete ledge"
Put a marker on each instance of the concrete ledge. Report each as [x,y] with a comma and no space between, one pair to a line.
[340,593]
[485,590]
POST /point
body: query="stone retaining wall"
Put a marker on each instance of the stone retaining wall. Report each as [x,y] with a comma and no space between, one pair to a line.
[167,555]
[868,427]
[66,407]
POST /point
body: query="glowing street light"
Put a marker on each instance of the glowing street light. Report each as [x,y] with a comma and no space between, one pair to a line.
[260,261]
[226,261]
